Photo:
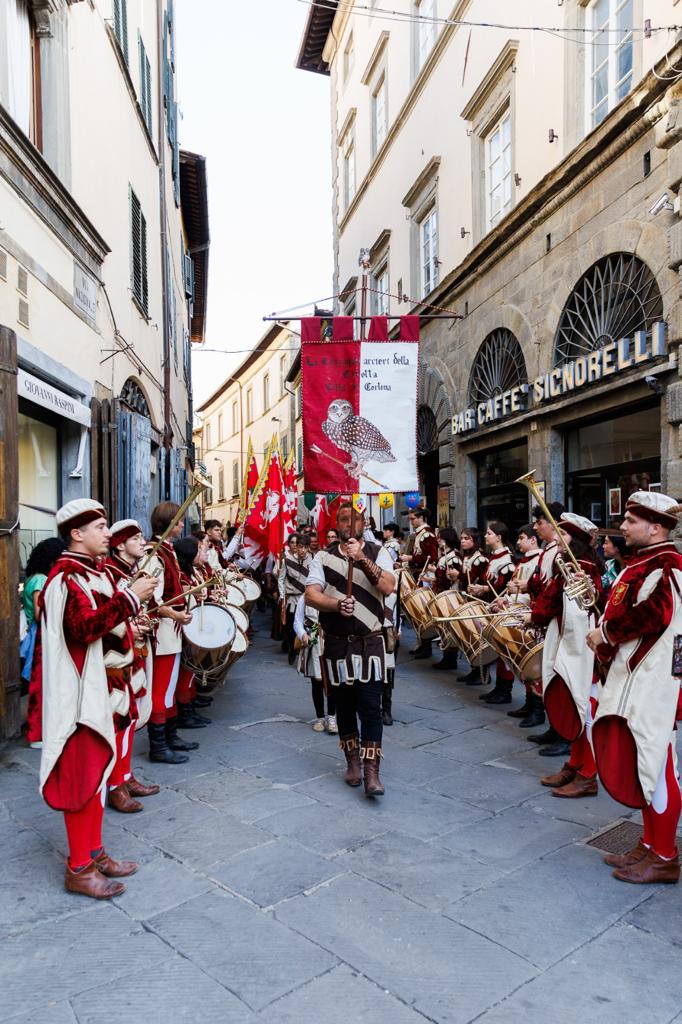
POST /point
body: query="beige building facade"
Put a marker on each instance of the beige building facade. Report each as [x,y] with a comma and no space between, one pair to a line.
[254,403]
[103,265]
[528,182]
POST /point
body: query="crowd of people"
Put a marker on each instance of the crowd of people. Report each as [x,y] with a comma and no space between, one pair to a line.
[105,611]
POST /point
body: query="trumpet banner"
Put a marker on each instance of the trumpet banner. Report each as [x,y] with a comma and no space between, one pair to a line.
[359,406]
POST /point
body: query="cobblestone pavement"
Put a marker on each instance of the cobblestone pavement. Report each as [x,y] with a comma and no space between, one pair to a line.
[271,892]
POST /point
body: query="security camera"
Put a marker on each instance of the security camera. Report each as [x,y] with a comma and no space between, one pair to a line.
[662,203]
[654,383]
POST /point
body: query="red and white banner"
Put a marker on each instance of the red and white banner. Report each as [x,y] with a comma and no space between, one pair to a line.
[359,406]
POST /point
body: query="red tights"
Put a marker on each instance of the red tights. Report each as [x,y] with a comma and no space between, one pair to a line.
[186,688]
[84,832]
[164,681]
[663,814]
[124,753]
[582,755]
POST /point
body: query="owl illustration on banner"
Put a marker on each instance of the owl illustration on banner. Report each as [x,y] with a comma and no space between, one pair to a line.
[357,436]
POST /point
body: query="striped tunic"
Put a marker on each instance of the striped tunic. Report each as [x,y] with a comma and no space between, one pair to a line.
[353,647]
[296,576]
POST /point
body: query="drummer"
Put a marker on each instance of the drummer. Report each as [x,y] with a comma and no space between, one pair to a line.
[448,571]
[474,567]
[532,713]
[297,561]
[424,554]
[187,550]
[216,553]
[498,574]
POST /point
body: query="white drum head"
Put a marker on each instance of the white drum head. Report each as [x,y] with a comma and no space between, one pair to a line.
[211,627]
[240,643]
[240,617]
[233,595]
[250,588]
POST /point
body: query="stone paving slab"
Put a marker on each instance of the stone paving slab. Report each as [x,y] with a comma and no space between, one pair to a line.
[494,787]
[273,800]
[245,950]
[61,958]
[176,992]
[159,886]
[661,914]
[297,766]
[55,1013]
[545,910]
[422,872]
[274,871]
[447,972]
[623,977]
[413,734]
[211,840]
[311,826]
[343,996]
[220,787]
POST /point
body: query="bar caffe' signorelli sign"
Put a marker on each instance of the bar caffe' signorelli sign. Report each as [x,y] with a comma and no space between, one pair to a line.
[613,358]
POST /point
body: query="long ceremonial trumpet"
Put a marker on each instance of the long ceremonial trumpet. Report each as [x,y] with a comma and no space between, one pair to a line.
[173,603]
[198,488]
[579,586]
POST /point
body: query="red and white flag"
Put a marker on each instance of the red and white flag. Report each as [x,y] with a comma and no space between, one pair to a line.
[360,406]
[321,518]
[290,511]
[274,504]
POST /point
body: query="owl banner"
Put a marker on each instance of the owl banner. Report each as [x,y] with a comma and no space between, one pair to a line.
[359,406]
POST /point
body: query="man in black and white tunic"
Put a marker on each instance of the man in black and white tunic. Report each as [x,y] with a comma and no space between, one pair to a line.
[354,651]
[295,573]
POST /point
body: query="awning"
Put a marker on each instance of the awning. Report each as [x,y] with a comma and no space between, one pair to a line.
[49,397]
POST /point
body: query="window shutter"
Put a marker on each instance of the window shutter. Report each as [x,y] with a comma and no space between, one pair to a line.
[143,262]
[138,226]
[145,85]
[189,277]
[121,25]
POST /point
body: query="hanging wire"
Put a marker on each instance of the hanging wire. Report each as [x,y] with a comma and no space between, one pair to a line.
[406,17]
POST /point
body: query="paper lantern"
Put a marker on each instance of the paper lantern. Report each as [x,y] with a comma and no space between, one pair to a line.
[412,499]
[386,500]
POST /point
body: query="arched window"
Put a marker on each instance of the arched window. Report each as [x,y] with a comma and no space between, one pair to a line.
[617,296]
[132,395]
[499,365]
[427,430]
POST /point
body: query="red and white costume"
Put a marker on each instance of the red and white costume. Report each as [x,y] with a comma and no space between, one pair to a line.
[568,679]
[450,560]
[474,568]
[634,730]
[166,663]
[84,623]
[425,550]
[526,567]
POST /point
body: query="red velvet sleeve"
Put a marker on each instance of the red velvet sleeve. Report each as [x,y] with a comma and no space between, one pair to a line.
[85,624]
[624,620]
[429,549]
[548,602]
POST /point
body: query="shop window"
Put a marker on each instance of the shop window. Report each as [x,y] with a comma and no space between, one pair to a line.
[499,497]
[499,365]
[39,482]
[616,297]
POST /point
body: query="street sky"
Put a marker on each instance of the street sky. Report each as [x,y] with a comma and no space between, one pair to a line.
[263,127]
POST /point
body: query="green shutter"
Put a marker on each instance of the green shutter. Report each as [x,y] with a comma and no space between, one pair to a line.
[121,25]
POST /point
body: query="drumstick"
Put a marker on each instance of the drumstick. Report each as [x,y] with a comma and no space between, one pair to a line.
[426,565]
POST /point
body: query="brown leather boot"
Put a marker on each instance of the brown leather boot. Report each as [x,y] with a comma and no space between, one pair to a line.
[371,754]
[106,865]
[650,870]
[121,800]
[91,882]
[625,860]
[562,777]
[351,748]
[136,788]
[579,787]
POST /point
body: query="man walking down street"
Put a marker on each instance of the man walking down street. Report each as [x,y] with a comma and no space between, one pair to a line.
[354,651]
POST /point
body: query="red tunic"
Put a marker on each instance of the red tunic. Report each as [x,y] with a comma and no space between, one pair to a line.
[498,573]
[79,770]
[475,567]
[425,548]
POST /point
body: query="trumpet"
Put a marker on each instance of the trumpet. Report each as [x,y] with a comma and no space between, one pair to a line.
[199,487]
[579,586]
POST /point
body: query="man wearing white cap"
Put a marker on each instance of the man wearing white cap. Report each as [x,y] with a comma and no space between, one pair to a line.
[640,639]
[126,548]
[81,607]
[568,680]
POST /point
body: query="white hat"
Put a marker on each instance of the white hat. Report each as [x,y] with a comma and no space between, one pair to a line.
[78,513]
[577,525]
[656,507]
[123,530]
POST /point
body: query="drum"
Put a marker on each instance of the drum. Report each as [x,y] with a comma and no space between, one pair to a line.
[443,606]
[239,647]
[417,605]
[407,584]
[233,594]
[519,643]
[241,619]
[251,590]
[207,641]
[467,633]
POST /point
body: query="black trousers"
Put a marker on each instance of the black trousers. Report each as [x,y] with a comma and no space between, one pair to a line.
[318,698]
[363,701]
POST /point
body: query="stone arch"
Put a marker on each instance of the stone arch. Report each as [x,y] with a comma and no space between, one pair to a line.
[434,395]
[498,366]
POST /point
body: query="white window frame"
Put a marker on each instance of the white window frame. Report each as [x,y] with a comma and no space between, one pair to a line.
[426,31]
[379,114]
[614,47]
[348,58]
[428,250]
[235,417]
[283,370]
[498,172]
[220,427]
[221,482]
[249,405]
[266,392]
[348,168]
[236,488]
[207,438]
[380,300]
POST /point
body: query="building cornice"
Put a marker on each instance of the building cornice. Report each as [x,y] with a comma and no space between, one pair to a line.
[642,109]
[504,60]
[420,181]
[31,177]
[375,58]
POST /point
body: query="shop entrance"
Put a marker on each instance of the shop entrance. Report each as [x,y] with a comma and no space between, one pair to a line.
[428,460]
[498,496]
[39,476]
[607,460]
